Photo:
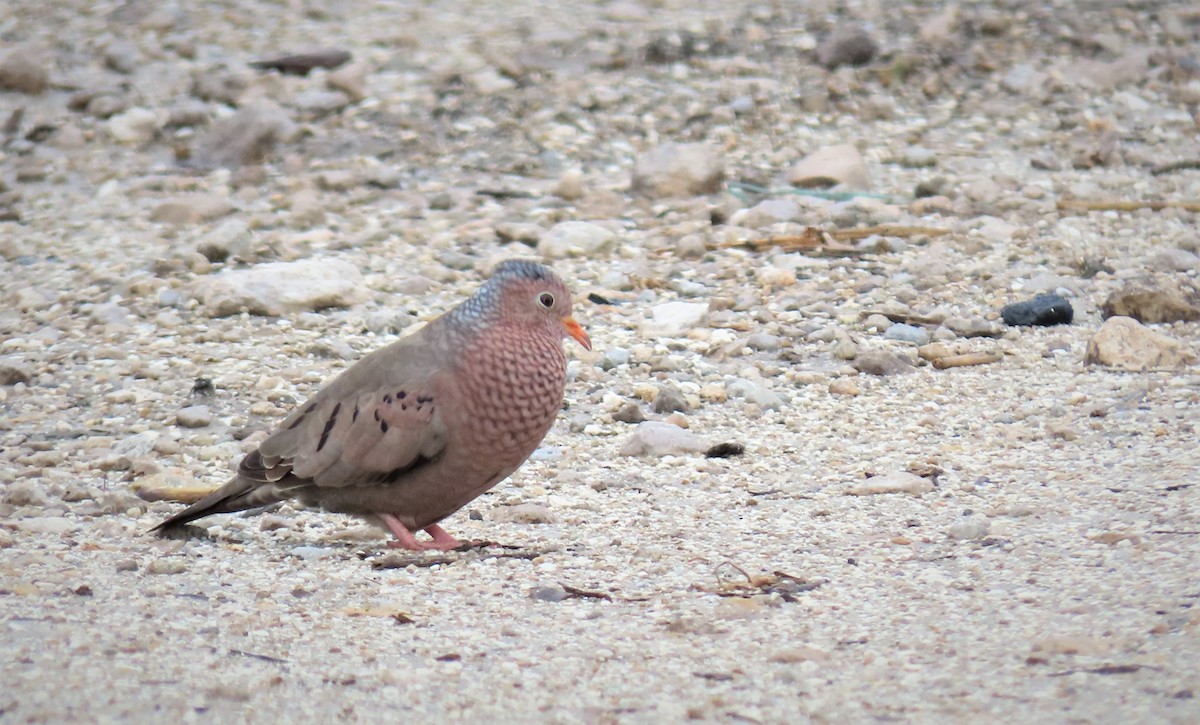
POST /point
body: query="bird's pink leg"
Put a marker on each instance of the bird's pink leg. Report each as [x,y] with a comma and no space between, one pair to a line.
[404,537]
[442,540]
[406,540]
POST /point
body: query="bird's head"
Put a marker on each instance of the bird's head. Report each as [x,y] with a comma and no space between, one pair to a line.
[529,293]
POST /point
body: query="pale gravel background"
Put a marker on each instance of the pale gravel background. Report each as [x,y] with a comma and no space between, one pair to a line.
[907,624]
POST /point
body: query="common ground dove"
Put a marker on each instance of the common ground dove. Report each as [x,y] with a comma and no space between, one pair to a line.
[414,431]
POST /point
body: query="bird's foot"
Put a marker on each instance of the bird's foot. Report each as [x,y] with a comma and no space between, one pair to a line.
[405,539]
[441,540]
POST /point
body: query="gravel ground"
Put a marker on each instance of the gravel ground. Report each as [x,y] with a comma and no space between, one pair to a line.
[1009,541]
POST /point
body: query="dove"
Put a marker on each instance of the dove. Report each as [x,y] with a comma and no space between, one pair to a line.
[414,431]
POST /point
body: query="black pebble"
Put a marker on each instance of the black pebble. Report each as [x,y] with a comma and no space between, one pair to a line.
[1044,310]
[725,450]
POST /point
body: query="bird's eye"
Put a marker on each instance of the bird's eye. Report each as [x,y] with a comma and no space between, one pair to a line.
[546,300]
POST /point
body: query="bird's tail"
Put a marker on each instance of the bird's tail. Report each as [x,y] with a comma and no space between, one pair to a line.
[239,494]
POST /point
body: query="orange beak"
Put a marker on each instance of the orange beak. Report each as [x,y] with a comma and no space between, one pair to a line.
[575,330]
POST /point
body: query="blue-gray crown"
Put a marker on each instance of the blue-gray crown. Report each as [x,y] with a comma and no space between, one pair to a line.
[484,302]
[520,269]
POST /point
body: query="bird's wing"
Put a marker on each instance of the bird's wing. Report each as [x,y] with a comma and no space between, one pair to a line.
[377,421]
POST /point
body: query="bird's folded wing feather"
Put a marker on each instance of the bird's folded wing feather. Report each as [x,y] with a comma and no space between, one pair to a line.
[365,428]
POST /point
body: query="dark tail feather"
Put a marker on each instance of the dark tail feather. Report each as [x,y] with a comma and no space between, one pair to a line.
[237,495]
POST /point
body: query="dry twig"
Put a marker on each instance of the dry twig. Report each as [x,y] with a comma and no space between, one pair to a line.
[1172,166]
[585,594]
[970,358]
[1086,205]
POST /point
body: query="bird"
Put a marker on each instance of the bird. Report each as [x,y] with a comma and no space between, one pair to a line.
[416,430]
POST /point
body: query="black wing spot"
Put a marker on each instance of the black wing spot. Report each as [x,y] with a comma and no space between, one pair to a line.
[296,423]
[404,406]
[383,426]
[354,418]
[424,399]
[387,399]
[328,427]
[401,395]
[311,407]
[377,415]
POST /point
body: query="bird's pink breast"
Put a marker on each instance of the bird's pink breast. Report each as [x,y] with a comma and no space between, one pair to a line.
[512,384]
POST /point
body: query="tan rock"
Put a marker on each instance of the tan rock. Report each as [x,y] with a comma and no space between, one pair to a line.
[350,79]
[279,288]
[831,166]
[249,136]
[25,69]
[843,386]
[678,170]
[1123,342]
[570,185]
[522,513]
[191,209]
[894,482]
[939,29]
[1150,301]
[170,485]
